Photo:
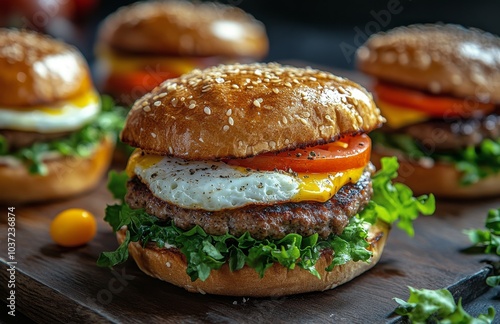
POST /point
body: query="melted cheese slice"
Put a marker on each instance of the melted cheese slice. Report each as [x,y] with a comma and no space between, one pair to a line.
[212,186]
[398,116]
[64,116]
[153,64]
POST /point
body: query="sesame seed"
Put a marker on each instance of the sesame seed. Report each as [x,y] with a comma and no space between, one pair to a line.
[163,94]
[170,150]
[249,87]
[230,121]
[229,112]
[192,106]
[276,90]
[207,110]
[303,121]
[157,103]
[288,84]
[296,81]
[219,80]
[307,114]
[258,72]
[312,79]
[147,109]
[235,86]
[285,121]
[153,135]
[268,107]
[225,128]
[174,102]
[256,103]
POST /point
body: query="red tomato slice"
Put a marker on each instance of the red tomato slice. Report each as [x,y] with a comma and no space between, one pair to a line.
[136,81]
[436,106]
[348,153]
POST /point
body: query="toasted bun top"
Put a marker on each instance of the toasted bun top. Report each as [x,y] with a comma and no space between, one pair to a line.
[37,70]
[247,109]
[184,28]
[447,59]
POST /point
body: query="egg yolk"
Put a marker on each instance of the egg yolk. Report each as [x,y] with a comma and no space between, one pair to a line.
[73,227]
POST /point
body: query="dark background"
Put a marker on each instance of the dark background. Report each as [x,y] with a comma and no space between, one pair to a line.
[320,32]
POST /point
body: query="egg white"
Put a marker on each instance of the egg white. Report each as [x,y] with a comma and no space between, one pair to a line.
[65,117]
[214,185]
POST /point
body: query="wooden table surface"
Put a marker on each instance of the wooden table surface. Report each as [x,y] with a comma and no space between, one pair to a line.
[55,284]
[59,284]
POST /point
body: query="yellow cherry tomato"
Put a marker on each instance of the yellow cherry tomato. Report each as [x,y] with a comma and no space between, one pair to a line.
[73,227]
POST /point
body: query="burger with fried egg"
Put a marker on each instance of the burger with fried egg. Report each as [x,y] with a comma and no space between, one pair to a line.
[55,140]
[438,86]
[142,44]
[255,180]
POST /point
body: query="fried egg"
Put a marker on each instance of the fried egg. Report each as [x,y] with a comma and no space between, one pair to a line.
[65,116]
[213,186]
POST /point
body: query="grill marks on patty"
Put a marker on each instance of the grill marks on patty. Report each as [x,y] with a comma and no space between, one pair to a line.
[274,221]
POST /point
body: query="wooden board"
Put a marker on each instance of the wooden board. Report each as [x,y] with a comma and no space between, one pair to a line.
[54,283]
[64,285]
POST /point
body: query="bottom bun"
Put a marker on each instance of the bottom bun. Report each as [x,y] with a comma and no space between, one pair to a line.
[170,265]
[441,179]
[67,176]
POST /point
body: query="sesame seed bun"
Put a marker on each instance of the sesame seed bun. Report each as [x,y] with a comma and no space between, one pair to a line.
[247,109]
[67,176]
[38,70]
[441,59]
[184,28]
[170,265]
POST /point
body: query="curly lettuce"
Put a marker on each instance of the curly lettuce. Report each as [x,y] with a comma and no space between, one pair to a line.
[81,143]
[438,306]
[391,203]
[475,163]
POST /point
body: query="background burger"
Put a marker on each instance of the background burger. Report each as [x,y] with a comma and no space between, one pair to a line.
[255,180]
[143,44]
[438,86]
[55,141]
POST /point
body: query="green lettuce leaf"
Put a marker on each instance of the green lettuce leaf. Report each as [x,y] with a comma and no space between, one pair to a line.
[475,163]
[206,252]
[81,143]
[438,306]
[394,202]
[487,240]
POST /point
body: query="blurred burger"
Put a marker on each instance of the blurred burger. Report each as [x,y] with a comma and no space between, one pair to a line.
[141,45]
[53,134]
[439,88]
[254,180]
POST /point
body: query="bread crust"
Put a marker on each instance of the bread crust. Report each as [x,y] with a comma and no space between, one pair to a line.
[170,265]
[39,70]
[441,179]
[67,176]
[441,59]
[184,28]
[247,109]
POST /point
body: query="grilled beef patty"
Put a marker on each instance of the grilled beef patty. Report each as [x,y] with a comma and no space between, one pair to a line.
[451,135]
[20,139]
[262,221]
